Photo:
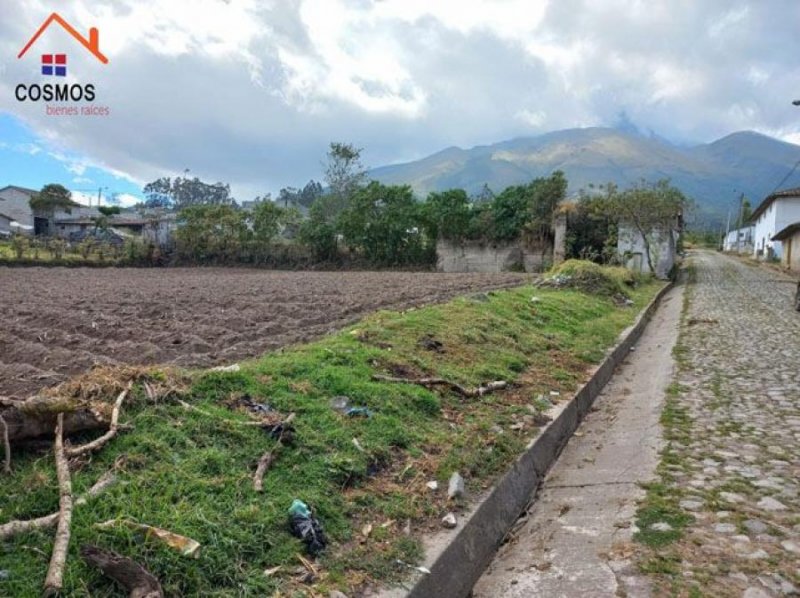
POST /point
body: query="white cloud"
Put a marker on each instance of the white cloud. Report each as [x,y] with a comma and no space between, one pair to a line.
[251,92]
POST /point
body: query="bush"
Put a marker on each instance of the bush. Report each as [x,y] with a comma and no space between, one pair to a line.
[593,278]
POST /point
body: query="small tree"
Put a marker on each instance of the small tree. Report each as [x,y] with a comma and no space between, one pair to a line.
[447,214]
[20,244]
[345,174]
[650,210]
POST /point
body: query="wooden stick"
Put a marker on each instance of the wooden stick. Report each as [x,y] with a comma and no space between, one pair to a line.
[137,580]
[268,458]
[12,528]
[6,447]
[100,442]
[55,573]
[233,422]
[457,388]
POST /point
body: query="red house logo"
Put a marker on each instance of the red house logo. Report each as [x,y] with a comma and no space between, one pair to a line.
[50,62]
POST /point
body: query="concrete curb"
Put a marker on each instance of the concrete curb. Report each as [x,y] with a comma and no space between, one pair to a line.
[458,564]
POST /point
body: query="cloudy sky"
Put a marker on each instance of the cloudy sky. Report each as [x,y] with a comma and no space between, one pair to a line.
[251,92]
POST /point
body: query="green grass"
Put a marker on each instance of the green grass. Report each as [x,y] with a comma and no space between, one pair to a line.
[191,473]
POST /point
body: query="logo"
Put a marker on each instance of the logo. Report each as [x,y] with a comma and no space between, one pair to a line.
[55,65]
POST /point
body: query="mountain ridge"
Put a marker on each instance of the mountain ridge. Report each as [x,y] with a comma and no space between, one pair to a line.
[713,174]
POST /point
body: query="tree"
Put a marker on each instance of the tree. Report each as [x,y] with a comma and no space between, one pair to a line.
[485,195]
[52,197]
[319,233]
[446,215]
[345,174]
[212,233]
[102,222]
[182,192]
[267,218]
[310,193]
[651,210]
[289,196]
[383,222]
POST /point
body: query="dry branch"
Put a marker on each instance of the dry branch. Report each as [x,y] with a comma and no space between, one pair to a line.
[268,458]
[233,422]
[12,528]
[457,388]
[6,447]
[137,580]
[55,573]
[98,443]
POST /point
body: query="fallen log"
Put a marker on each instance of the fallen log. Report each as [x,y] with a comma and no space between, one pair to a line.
[455,387]
[36,416]
[55,572]
[136,580]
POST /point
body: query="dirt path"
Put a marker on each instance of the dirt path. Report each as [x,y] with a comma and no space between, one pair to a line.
[735,464]
[587,503]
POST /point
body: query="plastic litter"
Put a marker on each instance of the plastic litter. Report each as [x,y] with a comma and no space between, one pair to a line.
[340,403]
[455,487]
[358,412]
[308,528]
[186,546]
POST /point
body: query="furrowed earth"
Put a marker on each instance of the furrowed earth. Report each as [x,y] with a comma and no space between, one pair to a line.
[57,322]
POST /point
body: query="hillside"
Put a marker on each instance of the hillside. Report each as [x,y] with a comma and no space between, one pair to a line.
[712,174]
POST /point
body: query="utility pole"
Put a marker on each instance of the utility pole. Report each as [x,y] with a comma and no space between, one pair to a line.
[99,191]
[739,226]
[727,229]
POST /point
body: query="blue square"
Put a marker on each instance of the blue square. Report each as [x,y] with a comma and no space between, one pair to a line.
[47,70]
[61,71]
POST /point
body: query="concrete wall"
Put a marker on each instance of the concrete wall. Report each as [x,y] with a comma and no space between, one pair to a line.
[663,250]
[14,204]
[5,225]
[790,257]
[474,256]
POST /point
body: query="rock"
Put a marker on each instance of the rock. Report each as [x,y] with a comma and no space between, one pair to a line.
[449,521]
[755,526]
[661,526]
[336,594]
[731,497]
[791,546]
[691,505]
[234,367]
[725,528]
[432,485]
[754,592]
[455,488]
[770,504]
[758,554]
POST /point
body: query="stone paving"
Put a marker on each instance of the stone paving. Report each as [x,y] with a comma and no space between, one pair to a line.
[738,470]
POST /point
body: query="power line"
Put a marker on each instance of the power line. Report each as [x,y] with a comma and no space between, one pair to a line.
[786,178]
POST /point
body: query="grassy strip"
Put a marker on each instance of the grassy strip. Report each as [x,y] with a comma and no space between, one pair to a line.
[191,473]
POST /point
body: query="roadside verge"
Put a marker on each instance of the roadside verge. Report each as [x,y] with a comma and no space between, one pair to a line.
[456,563]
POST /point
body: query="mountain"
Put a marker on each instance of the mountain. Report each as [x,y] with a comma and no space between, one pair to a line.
[712,174]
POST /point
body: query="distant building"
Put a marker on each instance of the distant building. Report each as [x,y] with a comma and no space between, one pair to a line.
[15,204]
[789,238]
[740,240]
[5,225]
[774,214]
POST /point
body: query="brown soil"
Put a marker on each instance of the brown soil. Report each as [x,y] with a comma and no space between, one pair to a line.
[55,322]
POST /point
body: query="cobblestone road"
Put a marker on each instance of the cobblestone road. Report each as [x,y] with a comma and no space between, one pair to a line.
[734,463]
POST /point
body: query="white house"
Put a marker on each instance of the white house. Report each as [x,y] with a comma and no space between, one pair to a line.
[775,213]
[14,203]
[740,240]
[5,225]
